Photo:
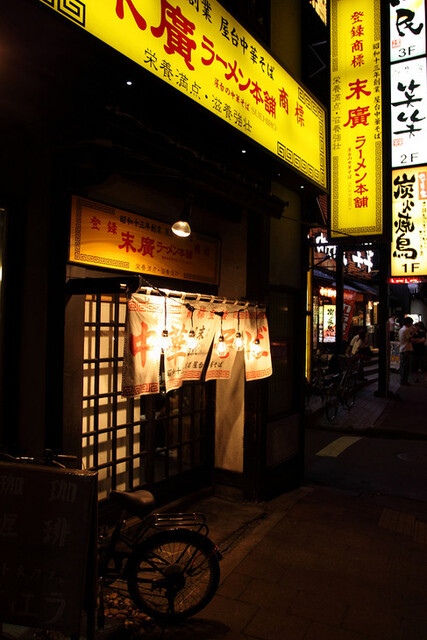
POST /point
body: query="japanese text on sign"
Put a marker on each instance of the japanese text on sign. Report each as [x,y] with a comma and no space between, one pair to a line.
[356,119]
[357,263]
[409,113]
[199,49]
[407,29]
[45,520]
[409,241]
[329,322]
[149,316]
[104,235]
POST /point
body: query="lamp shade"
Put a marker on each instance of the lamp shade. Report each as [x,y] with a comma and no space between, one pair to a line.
[181,228]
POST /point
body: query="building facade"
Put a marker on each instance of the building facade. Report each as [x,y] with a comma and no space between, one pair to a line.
[80,120]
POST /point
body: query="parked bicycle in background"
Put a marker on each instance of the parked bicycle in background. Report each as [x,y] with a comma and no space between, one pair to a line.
[316,387]
[342,387]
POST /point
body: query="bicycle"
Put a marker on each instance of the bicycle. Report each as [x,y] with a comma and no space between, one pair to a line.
[318,383]
[49,458]
[342,389]
[169,563]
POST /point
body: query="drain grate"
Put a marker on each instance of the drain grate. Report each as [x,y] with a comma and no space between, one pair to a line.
[397,521]
[420,533]
[412,457]
[403,523]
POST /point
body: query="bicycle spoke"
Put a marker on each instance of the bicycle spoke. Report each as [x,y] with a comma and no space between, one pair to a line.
[185,580]
[161,561]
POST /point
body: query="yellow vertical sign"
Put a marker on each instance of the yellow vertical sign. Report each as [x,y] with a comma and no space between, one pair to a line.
[409,241]
[356,118]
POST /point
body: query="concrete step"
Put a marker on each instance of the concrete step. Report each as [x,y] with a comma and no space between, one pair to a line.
[371,365]
[370,371]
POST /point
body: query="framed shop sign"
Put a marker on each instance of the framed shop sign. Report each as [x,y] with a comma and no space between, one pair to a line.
[200,50]
[104,236]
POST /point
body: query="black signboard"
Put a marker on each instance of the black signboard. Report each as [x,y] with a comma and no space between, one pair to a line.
[46,525]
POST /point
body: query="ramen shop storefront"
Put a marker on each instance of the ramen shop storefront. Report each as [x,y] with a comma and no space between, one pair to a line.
[147,366]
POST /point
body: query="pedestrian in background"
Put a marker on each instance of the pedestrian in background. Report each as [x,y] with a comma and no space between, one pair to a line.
[391,328]
[418,343]
[405,350]
[359,348]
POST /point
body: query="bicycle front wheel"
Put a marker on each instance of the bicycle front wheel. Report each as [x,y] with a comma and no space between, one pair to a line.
[331,403]
[173,574]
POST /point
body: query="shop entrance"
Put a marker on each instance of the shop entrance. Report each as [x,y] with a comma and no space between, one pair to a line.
[163,442]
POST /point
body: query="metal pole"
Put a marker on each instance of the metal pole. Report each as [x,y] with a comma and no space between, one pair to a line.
[383,312]
[339,299]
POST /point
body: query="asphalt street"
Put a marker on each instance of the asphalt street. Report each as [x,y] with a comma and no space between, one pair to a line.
[367,464]
[379,446]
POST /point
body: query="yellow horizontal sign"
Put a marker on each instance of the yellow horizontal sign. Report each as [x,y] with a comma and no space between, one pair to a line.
[199,49]
[409,241]
[106,237]
[356,118]
[321,8]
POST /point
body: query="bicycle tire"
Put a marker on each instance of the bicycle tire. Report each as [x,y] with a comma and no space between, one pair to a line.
[163,580]
[349,394]
[331,403]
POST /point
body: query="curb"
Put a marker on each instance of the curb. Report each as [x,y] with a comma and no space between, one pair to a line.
[372,432]
[249,539]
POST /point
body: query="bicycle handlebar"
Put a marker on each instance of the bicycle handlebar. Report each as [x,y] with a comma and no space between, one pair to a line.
[49,458]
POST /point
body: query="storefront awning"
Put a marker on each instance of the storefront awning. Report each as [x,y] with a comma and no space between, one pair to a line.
[351,285]
[364,288]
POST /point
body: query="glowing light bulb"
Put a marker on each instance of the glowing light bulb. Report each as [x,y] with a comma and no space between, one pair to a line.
[181,228]
[165,341]
[221,347]
[192,342]
[238,343]
[256,348]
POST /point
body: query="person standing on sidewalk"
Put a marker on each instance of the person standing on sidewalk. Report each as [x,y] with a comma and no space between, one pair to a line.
[405,350]
[418,343]
[359,348]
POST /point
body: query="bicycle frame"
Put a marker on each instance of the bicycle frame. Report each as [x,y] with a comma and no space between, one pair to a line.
[341,390]
[121,543]
[318,384]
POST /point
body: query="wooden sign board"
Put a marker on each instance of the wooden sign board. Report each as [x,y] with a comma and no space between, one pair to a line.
[46,515]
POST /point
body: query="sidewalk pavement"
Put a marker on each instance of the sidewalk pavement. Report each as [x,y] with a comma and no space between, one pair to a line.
[403,414]
[321,565]
[318,563]
[408,414]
